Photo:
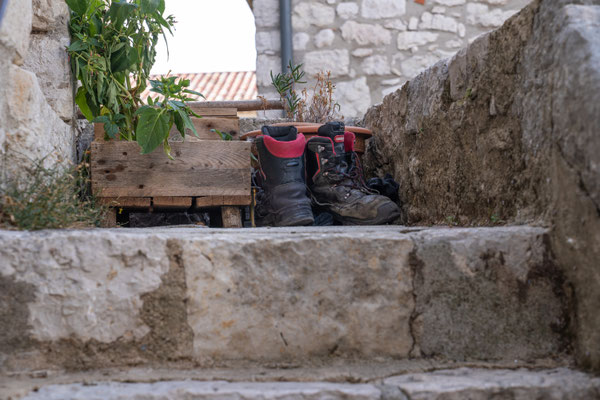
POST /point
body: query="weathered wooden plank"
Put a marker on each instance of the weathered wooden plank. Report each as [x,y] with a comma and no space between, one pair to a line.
[172,202]
[129,202]
[204,125]
[203,168]
[231,217]
[217,201]
[242,105]
[213,111]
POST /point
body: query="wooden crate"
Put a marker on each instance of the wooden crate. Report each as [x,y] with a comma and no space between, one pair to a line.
[206,171]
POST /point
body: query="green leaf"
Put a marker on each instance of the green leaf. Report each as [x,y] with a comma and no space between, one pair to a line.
[152,128]
[224,135]
[194,92]
[79,7]
[119,11]
[187,121]
[149,6]
[161,6]
[81,101]
[120,60]
[77,46]
[180,124]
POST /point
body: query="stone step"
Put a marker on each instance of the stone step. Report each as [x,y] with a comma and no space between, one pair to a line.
[101,298]
[452,384]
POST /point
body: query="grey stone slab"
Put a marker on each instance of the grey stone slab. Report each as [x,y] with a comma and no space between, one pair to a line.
[481,384]
[105,298]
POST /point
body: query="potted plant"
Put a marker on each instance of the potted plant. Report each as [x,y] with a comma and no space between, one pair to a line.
[112,51]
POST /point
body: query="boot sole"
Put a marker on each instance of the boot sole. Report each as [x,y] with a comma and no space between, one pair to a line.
[300,218]
[385,214]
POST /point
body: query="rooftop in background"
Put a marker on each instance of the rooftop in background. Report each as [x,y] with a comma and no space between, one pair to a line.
[216,86]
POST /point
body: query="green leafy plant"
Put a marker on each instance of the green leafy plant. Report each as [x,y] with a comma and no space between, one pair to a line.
[156,119]
[112,51]
[317,105]
[50,198]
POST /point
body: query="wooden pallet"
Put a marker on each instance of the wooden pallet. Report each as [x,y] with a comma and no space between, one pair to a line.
[206,171]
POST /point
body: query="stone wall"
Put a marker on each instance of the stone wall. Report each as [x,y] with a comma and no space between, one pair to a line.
[372,46]
[36,92]
[507,132]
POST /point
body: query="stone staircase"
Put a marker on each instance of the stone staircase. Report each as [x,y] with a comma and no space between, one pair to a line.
[506,312]
[296,313]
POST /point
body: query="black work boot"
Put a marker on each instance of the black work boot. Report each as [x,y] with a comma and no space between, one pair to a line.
[336,183]
[282,200]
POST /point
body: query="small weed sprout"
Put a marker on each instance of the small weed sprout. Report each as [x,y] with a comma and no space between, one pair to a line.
[50,198]
[314,105]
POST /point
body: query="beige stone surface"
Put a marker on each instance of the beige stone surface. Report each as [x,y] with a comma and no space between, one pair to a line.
[49,14]
[109,298]
[49,61]
[300,296]
[15,30]
[33,130]
[504,131]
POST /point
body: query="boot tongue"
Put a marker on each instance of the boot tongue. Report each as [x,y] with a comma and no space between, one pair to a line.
[334,131]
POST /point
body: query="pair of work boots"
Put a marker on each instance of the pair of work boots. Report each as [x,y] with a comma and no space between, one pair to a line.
[324,171]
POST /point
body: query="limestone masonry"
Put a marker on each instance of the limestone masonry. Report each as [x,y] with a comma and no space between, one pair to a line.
[372,46]
[36,91]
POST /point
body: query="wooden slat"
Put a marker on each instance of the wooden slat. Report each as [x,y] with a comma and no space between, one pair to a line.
[231,216]
[203,168]
[241,105]
[172,202]
[213,111]
[204,125]
[217,201]
[130,202]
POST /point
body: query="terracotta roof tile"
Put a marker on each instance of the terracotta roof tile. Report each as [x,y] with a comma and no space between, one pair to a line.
[219,85]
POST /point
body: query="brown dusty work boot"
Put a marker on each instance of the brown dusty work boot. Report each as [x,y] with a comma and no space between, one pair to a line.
[282,199]
[336,183]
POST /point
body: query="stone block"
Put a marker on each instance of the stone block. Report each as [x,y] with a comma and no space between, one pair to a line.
[353,96]
[489,295]
[472,383]
[377,9]
[324,38]
[267,64]
[15,30]
[336,61]
[268,42]
[49,14]
[303,301]
[364,34]
[451,3]
[266,13]
[376,65]
[48,59]
[410,39]
[300,41]
[347,10]
[438,22]
[412,66]
[34,131]
[307,14]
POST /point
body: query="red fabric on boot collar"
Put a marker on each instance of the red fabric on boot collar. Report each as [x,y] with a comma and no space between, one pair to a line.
[349,138]
[292,149]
